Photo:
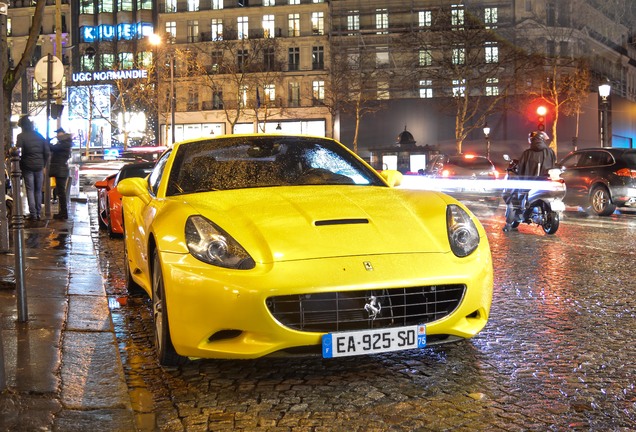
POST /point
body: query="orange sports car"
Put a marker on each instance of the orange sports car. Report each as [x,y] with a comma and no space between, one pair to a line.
[109,199]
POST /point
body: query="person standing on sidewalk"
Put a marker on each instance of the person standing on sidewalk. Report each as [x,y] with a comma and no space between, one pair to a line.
[33,158]
[60,154]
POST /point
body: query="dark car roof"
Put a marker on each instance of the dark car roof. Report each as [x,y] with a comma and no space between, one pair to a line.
[627,155]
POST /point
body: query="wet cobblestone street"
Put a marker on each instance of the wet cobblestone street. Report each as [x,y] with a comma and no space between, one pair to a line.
[556,355]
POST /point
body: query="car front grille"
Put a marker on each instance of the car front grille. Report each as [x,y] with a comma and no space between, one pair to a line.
[358,310]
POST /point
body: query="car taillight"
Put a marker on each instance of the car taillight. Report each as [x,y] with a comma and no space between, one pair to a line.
[446,173]
[494,174]
[626,172]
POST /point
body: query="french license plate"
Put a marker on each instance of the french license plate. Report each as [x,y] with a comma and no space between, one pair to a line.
[373,341]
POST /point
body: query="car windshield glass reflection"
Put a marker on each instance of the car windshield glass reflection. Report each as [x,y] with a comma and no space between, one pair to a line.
[240,162]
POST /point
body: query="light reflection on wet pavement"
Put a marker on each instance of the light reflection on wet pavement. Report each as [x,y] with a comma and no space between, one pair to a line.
[557,353]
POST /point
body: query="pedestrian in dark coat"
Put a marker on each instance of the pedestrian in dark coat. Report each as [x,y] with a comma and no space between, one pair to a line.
[34,156]
[58,168]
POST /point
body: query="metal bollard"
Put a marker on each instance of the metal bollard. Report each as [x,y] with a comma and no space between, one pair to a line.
[17,222]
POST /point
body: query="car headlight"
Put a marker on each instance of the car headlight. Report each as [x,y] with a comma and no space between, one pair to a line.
[210,244]
[462,232]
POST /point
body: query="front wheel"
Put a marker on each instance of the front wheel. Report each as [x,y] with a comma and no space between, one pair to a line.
[166,353]
[601,202]
[551,223]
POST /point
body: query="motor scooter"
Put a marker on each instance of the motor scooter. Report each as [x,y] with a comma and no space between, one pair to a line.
[538,200]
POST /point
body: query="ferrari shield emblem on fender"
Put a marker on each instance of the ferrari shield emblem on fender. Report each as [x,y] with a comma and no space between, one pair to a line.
[368,266]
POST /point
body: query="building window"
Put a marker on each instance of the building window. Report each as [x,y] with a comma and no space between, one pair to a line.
[171,28]
[145,4]
[491,52]
[492,87]
[106,6]
[459,56]
[317,1]
[216,27]
[459,87]
[491,17]
[381,20]
[294,2]
[171,6]
[268,26]
[125,5]
[294,94]
[318,92]
[217,99]
[125,60]
[193,30]
[193,98]
[107,60]
[425,58]
[528,5]
[193,5]
[318,58]
[269,59]
[426,89]
[550,14]
[87,7]
[243,27]
[425,18]
[294,25]
[382,57]
[269,2]
[353,21]
[241,59]
[270,94]
[294,58]
[564,49]
[457,16]
[217,4]
[216,58]
[317,23]
[243,96]
[87,63]
[383,90]
[144,59]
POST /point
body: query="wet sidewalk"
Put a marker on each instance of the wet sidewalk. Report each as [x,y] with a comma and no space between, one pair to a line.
[62,367]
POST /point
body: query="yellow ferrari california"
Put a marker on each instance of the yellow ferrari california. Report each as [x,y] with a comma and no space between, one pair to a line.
[255,245]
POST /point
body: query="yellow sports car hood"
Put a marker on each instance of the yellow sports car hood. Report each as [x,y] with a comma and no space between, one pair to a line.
[305,222]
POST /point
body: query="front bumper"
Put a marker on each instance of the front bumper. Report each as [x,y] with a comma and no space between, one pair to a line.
[220,313]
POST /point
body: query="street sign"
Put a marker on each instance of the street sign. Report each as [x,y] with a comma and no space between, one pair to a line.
[4,8]
[40,73]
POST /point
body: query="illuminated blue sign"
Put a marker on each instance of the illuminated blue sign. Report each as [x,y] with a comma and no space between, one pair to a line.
[107,32]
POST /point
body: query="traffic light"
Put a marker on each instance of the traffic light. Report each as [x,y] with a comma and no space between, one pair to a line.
[56,110]
[541,112]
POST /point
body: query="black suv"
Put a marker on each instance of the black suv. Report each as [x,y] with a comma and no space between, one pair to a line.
[600,179]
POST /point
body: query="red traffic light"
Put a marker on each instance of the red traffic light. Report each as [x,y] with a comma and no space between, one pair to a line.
[541,111]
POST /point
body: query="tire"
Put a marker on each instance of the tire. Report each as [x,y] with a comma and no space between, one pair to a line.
[109,226]
[166,354]
[601,202]
[551,222]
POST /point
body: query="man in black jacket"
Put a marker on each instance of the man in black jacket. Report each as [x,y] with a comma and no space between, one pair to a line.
[60,154]
[535,161]
[33,158]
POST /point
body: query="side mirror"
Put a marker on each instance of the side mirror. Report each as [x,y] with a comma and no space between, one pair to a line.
[134,187]
[101,184]
[392,177]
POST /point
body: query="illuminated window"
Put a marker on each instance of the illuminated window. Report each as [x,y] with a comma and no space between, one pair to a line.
[353,21]
[125,5]
[425,18]
[107,60]
[426,89]
[171,28]
[268,26]
[87,63]
[217,4]
[381,20]
[217,29]
[318,91]
[425,58]
[492,87]
[145,4]
[243,27]
[317,23]
[125,60]
[270,93]
[459,88]
[490,17]
[383,90]
[87,7]
[171,6]
[294,2]
[269,2]
[491,52]
[294,25]
[193,5]
[459,56]
[106,6]
[457,16]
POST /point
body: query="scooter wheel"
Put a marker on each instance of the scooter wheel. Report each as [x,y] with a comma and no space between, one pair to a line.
[551,224]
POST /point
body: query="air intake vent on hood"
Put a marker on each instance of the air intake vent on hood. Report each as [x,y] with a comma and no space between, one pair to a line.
[341,222]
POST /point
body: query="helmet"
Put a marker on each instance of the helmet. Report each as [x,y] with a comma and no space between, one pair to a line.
[538,135]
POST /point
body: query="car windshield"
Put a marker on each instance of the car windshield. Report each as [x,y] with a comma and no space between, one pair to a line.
[478,163]
[249,162]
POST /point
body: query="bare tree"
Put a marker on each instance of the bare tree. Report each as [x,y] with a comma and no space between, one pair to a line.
[471,63]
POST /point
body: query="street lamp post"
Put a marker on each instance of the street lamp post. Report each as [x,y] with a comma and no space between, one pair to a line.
[487,135]
[604,90]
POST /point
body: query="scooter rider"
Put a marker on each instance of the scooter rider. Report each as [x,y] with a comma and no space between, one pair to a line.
[535,161]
